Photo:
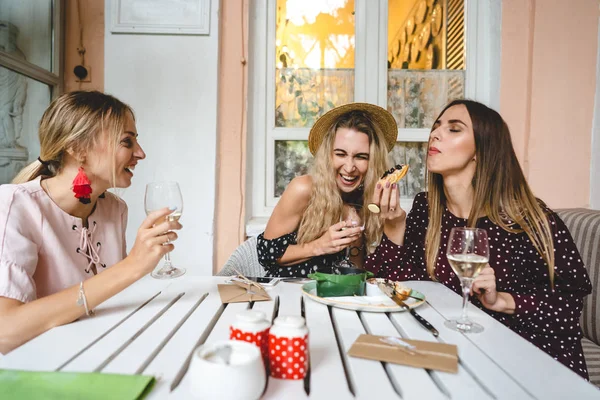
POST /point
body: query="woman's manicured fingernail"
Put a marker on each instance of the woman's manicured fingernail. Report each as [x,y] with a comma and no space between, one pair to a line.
[387,184]
[379,186]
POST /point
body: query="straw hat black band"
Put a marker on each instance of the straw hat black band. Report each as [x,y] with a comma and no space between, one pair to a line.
[379,116]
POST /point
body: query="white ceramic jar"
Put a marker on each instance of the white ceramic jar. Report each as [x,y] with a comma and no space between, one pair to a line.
[252,327]
[288,348]
[215,366]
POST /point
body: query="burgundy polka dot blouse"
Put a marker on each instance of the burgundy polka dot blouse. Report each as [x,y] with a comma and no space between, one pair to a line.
[548,320]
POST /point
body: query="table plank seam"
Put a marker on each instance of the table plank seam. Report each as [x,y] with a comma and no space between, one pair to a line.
[115,326]
[343,356]
[186,364]
[395,384]
[432,374]
[490,358]
[173,331]
[138,333]
[275,309]
[308,371]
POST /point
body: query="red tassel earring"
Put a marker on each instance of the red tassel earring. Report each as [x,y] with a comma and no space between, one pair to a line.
[82,187]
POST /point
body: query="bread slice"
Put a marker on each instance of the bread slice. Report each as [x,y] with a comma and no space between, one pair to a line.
[392,176]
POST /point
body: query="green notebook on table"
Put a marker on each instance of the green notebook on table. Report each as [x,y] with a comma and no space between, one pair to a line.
[21,385]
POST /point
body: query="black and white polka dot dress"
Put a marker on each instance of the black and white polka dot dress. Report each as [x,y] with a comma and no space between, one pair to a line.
[550,320]
[269,251]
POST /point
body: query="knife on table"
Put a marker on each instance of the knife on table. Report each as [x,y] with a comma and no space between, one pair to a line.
[392,294]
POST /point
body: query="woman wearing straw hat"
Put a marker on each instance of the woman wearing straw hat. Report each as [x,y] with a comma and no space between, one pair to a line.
[321,214]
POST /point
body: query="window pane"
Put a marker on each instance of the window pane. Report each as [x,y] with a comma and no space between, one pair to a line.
[314,52]
[426,58]
[413,154]
[22,103]
[426,70]
[292,159]
[26,31]
[416,97]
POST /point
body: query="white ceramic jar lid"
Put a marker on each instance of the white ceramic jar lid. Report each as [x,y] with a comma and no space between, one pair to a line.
[290,321]
[251,316]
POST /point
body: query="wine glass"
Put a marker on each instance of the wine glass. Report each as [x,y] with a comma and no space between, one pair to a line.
[468,253]
[352,220]
[160,195]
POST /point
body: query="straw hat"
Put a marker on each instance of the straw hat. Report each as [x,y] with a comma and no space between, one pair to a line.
[380,117]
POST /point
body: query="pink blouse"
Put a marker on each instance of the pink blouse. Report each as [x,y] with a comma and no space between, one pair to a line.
[44,250]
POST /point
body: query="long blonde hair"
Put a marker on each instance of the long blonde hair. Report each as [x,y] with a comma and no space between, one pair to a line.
[325,206]
[75,121]
[501,190]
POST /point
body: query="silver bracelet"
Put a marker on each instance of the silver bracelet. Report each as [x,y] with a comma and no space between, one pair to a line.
[82,301]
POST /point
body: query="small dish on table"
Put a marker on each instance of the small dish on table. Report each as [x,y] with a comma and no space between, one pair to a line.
[374,301]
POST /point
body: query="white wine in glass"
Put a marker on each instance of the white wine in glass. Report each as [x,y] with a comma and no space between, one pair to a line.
[160,195]
[352,217]
[467,265]
[468,253]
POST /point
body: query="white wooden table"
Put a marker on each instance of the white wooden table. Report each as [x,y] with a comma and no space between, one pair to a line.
[157,339]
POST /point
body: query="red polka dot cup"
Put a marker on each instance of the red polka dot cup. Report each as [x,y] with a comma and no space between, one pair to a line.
[252,327]
[288,348]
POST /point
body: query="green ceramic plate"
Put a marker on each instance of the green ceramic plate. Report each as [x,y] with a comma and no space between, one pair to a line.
[362,303]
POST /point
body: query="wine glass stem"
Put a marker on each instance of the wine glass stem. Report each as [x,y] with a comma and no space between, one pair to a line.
[466,288]
[168,259]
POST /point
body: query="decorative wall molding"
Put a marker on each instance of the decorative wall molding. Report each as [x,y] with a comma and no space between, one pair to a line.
[172,17]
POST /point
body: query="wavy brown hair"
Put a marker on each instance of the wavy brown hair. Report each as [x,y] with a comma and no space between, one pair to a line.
[501,190]
[75,120]
[325,206]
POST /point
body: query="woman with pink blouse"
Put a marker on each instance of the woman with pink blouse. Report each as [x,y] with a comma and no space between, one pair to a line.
[62,235]
[535,281]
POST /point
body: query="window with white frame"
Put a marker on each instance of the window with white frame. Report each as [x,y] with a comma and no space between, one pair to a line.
[409,56]
[30,76]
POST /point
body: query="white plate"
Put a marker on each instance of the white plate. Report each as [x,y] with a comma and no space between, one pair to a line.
[362,303]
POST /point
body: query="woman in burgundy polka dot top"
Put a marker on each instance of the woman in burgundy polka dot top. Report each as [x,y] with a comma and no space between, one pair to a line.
[474,179]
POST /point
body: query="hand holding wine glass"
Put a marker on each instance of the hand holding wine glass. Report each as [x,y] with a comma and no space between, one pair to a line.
[468,253]
[154,239]
[353,220]
[160,195]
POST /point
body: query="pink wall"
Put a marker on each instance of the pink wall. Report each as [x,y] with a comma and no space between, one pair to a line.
[549,50]
[548,69]
[548,80]
[92,19]
[231,126]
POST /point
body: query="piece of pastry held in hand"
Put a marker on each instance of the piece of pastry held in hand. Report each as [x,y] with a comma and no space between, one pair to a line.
[392,176]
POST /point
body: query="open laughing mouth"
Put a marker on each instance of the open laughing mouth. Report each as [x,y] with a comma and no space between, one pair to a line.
[348,180]
[130,169]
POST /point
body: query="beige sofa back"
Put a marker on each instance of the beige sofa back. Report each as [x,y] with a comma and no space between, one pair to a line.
[584,225]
